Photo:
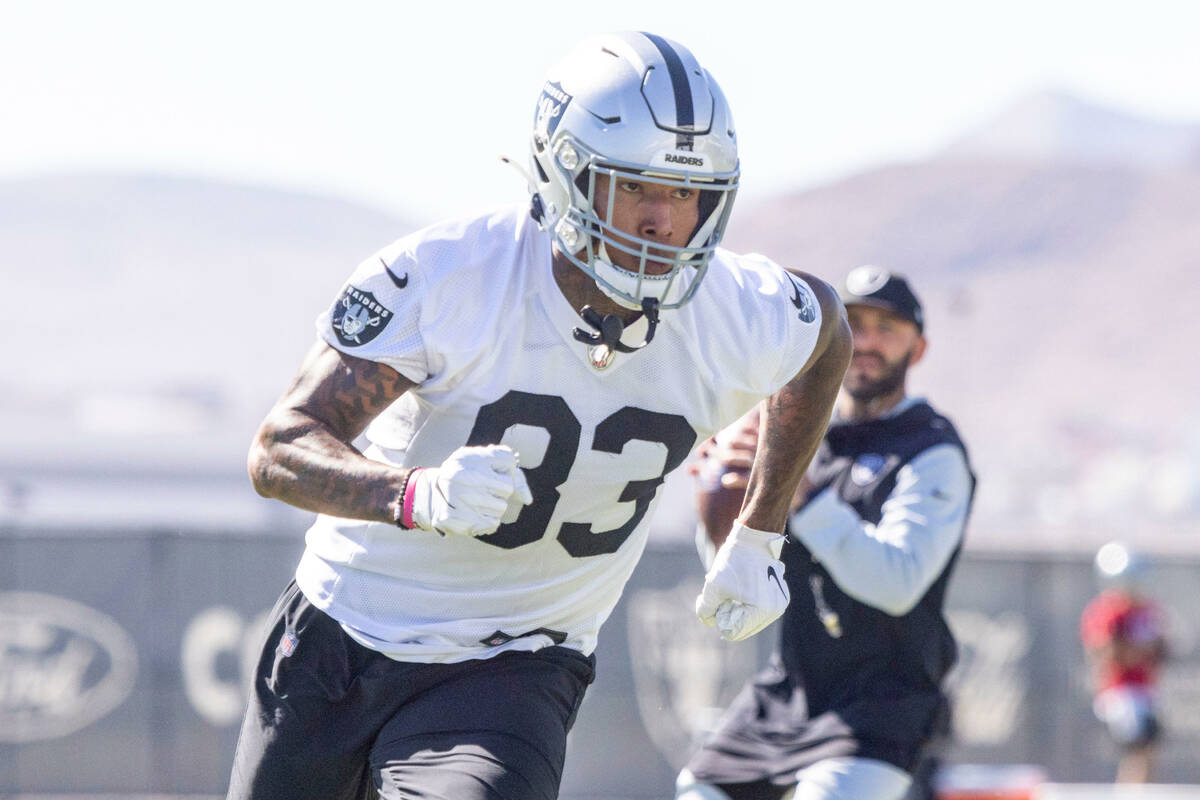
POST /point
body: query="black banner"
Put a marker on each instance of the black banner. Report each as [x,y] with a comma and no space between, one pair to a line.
[123,660]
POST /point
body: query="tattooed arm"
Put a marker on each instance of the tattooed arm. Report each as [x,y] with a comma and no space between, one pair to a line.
[794,419]
[302,453]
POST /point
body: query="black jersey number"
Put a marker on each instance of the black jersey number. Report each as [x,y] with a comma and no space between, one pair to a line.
[552,414]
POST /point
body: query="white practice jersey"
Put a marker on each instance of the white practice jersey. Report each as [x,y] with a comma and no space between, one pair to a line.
[470,311]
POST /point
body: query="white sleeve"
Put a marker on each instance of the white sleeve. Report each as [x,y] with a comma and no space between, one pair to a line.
[802,327]
[891,565]
[377,314]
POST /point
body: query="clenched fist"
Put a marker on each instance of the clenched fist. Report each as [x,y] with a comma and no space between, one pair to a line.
[467,495]
[744,590]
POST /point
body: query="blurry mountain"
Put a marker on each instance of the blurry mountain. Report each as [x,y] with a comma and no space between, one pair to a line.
[1058,126]
[1060,275]
[152,322]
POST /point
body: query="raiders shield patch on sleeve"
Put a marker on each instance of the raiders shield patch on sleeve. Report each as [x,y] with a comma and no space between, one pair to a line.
[803,300]
[357,317]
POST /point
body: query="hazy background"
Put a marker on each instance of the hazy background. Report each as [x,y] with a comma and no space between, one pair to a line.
[405,106]
[184,186]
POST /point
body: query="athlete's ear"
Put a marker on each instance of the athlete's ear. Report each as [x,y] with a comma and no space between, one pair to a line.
[918,350]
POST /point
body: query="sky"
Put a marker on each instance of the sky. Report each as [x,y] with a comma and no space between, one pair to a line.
[407,107]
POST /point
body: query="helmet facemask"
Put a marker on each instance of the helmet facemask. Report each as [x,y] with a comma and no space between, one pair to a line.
[587,236]
[620,109]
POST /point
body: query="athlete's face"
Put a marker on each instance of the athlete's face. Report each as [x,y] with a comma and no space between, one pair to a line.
[663,214]
[885,346]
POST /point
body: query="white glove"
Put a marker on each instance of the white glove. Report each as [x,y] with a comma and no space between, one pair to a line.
[744,590]
[467,495]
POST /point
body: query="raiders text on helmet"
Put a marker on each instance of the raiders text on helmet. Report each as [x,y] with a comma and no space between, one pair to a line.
[632,106]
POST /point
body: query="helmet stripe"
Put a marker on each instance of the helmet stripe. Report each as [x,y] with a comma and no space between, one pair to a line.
[685,115]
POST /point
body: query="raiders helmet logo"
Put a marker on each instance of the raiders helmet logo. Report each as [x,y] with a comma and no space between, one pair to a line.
[549,111]
[357,317]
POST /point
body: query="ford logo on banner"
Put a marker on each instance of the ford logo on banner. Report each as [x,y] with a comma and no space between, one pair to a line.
[63,666]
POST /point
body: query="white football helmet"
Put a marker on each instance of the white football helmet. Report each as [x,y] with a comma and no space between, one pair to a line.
[632,105]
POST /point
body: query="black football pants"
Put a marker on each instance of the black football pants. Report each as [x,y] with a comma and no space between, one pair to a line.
[330,719]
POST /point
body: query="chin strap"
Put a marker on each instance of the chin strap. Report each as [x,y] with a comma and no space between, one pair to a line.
[610,327]
[537,208]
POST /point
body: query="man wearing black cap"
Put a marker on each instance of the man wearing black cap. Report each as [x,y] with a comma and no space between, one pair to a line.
[852,698]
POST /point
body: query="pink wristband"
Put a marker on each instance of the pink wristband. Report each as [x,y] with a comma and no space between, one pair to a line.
[410,489]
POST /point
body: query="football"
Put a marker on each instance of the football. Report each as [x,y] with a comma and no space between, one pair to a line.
[718,505]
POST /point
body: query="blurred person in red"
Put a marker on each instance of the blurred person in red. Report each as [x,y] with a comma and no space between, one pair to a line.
[1122,632]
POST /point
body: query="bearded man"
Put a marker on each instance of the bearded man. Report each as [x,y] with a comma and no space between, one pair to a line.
[852,702]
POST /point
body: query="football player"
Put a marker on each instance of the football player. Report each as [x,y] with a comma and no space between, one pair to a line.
[852,701]
[1123,633]
[526,380]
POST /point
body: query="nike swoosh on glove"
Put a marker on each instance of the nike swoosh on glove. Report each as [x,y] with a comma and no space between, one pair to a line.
[744,590]
[468,494]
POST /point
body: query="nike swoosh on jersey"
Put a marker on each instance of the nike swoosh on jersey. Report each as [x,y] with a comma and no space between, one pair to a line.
[771,574]
[802,301]
[396,279]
